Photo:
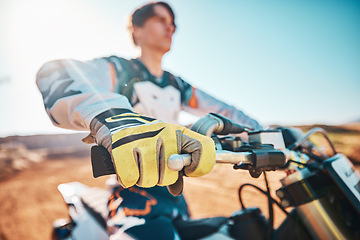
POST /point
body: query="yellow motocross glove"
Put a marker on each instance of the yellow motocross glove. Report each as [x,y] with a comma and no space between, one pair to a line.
[141,146]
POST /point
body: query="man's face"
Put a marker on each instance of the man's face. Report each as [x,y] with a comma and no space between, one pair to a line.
[157,31]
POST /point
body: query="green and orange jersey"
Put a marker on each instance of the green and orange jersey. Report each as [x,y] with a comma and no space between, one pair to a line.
[74,92]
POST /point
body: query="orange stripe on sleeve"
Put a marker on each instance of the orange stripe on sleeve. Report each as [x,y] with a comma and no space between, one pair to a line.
[113,76]
[193,102]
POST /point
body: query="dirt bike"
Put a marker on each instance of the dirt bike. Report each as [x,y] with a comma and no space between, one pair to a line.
[320,194]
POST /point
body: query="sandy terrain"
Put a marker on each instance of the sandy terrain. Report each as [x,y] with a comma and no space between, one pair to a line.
[30,201]
[32,167]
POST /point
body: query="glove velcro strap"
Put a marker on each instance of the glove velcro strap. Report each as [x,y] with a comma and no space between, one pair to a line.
[116,119]
[111,112]
[100,118]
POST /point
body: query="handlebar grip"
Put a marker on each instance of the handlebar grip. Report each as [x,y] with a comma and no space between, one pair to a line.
[101,162]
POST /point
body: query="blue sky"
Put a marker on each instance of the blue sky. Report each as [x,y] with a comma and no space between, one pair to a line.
[281,62]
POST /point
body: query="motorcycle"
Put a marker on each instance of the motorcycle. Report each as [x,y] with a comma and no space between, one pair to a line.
[320,194]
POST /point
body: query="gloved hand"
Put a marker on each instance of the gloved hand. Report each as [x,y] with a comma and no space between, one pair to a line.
[140,147]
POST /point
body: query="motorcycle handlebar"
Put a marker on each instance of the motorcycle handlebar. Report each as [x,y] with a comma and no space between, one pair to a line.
[177,162]
[256,159]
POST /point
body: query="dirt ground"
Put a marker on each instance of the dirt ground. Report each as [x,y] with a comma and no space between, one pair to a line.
[30,201]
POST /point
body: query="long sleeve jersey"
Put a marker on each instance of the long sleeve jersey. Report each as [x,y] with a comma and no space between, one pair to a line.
[75,92]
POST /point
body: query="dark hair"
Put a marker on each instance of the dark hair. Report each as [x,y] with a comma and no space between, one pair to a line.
[140,15]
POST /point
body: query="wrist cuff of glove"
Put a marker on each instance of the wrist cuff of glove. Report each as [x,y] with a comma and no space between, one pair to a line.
[117,119]
[98,123]
[104,115]
[114,120]
[109,113]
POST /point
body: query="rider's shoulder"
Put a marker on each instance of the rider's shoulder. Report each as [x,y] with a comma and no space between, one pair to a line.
[61,63]
[115,57]
[120,63]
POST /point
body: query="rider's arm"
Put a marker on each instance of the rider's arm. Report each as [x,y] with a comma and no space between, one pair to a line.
[75,92]
[200,103]
[78,95]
